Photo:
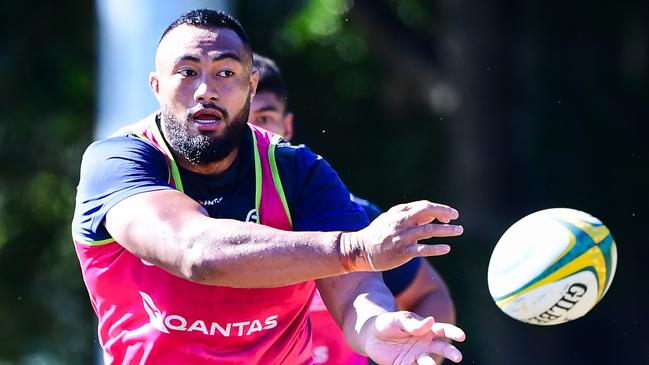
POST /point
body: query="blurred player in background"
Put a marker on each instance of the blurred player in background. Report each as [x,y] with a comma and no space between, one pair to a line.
[416,285]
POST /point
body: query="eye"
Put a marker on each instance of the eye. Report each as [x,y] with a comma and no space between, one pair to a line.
[225,73]
[262,120]
[187,73]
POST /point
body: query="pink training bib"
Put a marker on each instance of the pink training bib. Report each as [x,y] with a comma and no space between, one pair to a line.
[148,316]
[329,344]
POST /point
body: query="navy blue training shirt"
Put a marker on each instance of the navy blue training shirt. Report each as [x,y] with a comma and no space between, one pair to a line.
[116,168]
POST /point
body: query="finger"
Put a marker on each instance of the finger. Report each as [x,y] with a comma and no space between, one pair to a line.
[423,250]
[422,212]
[414,325]
[431,230]
[447,350]
[440,347]
[404,207]
[397,323]
[426,360]
[449,331]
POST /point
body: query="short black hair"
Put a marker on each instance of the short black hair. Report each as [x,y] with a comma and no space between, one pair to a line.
[270,77]
[210,18]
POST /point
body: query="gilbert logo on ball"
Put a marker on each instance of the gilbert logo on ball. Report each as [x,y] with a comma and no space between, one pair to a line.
[552,266]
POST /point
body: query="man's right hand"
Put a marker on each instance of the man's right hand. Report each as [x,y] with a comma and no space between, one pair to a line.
[392,238]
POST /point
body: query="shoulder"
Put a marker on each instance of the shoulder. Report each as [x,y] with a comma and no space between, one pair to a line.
[317,198]
[112,170]
[114,145]
[300,168]
[299,163]
[123,147]
[117,163]
[301,154]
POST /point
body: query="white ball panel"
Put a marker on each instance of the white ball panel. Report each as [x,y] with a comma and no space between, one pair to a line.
[556,302]
[525,250]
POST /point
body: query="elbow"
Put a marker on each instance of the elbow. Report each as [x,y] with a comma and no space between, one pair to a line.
[204,265]
[197,266]
[198,271]
[214,272]
[211,262]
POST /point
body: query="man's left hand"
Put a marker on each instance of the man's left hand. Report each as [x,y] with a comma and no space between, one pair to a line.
[404,338]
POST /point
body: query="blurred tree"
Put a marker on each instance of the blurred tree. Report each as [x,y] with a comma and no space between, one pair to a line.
[47,72]
[500,108]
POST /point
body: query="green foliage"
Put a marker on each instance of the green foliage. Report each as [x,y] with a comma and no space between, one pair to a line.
[47,69]
[318,20]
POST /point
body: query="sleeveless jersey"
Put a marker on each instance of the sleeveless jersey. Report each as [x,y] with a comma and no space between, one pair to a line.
[146,315]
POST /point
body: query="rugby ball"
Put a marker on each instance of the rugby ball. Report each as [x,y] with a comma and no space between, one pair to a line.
[552,266]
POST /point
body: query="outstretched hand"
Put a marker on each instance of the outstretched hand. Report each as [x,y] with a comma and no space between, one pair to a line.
[392,239]
[404,338]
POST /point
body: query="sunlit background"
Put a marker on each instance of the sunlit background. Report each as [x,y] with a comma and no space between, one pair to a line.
[499,108]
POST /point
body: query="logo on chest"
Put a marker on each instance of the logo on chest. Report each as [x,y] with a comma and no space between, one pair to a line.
[207,203]
[251,216]
[167,322]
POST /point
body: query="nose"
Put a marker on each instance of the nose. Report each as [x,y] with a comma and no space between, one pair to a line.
[205,92]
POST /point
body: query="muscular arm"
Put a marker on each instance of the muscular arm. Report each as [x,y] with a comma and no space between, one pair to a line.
[171,230]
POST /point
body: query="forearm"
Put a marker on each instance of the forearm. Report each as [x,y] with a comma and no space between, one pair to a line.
[237,254]
[428,295]
[179,237]
[354,300]
[375,298]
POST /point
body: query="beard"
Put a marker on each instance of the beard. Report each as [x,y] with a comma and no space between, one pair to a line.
[200,148]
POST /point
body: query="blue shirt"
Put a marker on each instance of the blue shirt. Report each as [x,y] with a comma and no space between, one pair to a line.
[116,168]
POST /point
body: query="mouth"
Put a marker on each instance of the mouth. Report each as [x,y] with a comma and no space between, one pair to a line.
[207,119]
[207,116]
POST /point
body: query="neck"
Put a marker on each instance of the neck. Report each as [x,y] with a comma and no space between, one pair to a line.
[211,168]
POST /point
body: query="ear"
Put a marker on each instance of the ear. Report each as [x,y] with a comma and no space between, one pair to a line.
[154,83]
[254,80]
[288,126]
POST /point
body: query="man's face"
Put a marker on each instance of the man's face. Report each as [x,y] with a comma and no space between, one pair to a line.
[203,82]
[268,111]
